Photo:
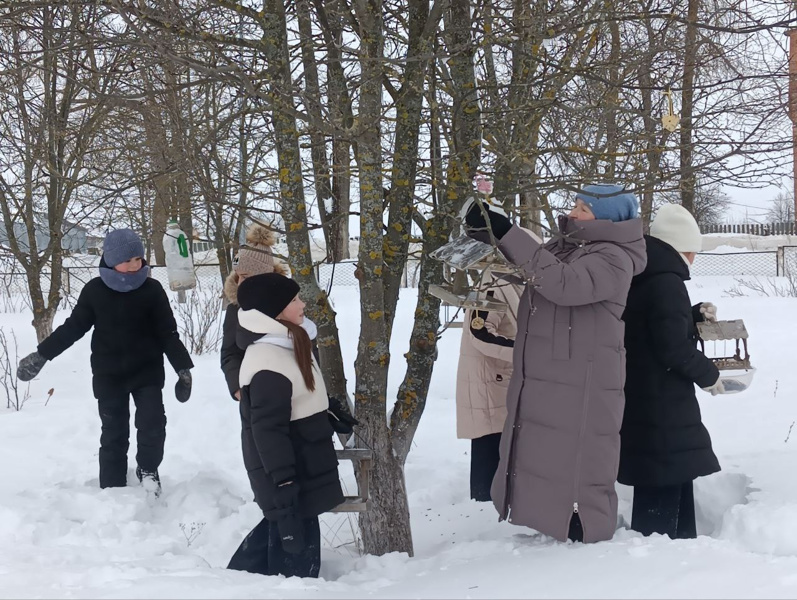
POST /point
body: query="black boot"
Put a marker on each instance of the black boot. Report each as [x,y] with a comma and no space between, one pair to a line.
[150,481]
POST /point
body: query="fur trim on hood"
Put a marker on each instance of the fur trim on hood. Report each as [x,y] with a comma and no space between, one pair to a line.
[232,282]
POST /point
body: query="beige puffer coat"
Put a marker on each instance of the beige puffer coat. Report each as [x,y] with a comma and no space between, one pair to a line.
[485,364]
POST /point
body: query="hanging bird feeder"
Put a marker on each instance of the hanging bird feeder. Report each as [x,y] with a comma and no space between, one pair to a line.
[179,264]
[670,120]
[461,257]
[736,372]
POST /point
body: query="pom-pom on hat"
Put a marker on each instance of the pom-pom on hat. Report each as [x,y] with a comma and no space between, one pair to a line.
[256,257]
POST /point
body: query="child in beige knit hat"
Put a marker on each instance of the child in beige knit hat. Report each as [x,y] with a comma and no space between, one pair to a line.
[255,258]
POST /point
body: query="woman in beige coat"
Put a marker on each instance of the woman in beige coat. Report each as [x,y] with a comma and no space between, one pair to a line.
[483,374]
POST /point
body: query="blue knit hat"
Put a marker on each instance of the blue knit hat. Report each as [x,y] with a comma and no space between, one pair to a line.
[120,246]
[609,201]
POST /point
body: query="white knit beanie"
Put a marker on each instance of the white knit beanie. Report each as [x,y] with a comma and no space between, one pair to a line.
[676,226]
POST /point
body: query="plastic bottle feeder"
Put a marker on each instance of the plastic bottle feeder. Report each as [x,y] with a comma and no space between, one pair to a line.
[179,263]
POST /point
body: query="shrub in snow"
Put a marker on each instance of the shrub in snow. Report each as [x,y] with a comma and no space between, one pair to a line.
[199,317]
[17,393]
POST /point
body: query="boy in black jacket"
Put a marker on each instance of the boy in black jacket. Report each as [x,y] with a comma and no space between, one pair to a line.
[133,327]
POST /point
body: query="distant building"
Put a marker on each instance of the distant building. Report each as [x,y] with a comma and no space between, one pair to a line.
[74,240]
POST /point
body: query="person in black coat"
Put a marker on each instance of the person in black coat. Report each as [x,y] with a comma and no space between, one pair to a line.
[286,433]
[133,328]
[664,444]
[255,258]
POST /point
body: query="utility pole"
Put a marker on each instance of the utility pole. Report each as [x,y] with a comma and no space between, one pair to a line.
[688,175]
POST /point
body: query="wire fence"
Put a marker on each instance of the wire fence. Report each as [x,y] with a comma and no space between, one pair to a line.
[345,274]
[764,264]
[14,285]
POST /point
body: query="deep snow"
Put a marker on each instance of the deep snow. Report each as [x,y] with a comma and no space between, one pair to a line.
[61,536]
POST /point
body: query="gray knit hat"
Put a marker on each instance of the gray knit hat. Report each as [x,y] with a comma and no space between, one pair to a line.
[120,246]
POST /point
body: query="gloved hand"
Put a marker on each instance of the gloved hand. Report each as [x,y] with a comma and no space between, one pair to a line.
[709,311]
[291,530]
[474,219]
[30,366]
[289,524]
[339,418]
[182,389]
[717,388]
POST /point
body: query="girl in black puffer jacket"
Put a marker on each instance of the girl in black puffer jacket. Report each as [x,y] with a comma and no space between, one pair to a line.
[286,433]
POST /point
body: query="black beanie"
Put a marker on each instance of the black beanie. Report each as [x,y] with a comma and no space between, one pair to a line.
[269,293]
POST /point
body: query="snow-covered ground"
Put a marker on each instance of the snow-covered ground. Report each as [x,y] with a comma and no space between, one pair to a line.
[61,536]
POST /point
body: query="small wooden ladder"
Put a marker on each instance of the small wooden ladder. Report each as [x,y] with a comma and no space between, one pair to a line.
[362,460]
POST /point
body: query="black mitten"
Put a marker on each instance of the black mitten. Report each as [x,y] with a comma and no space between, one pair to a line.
[499,224]
[339,418]
[289,524]
[291,530]
[30,366]
[182,389]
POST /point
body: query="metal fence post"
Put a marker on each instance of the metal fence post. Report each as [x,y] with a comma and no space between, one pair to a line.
[780,262]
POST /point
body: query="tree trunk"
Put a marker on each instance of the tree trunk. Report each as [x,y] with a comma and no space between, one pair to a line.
[422,354]
[463,162]
[688,178]
[331,16]
[612,101]
[405,154]
[156,142]
[292,203]
[466,122]
[655,137]
[322,179]
[385,526]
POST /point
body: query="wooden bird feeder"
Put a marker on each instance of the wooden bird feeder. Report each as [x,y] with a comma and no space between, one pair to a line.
[461,256]
[736,372]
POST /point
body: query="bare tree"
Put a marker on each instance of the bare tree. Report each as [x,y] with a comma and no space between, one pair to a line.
[54,90]
[781,209]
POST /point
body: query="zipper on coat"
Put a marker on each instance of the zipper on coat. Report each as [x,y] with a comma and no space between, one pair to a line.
[509,466]
[580,441]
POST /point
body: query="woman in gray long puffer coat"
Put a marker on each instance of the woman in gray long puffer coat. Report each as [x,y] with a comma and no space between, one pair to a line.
[560,446]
